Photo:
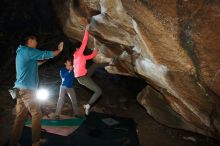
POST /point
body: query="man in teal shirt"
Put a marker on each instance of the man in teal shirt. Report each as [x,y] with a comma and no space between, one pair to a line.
[27,57]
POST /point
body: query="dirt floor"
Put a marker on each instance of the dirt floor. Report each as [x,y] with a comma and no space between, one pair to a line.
[118,98]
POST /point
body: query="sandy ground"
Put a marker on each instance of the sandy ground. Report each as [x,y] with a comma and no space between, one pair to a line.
[119,98]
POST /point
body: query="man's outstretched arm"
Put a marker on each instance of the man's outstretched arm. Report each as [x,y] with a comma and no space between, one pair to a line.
[36,54]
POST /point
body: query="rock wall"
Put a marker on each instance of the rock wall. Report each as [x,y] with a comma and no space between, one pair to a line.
[173,45]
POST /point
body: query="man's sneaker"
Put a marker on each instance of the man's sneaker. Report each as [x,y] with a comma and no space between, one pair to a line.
[86,108]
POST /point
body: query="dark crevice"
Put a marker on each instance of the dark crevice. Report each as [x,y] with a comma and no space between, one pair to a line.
[186,39]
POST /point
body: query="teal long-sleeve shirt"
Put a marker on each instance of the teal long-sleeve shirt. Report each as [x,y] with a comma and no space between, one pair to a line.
[27,67]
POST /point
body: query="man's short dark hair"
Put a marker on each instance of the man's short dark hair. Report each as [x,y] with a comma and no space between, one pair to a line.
[26,37]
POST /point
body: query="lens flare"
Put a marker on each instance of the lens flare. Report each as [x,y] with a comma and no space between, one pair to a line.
[42,95]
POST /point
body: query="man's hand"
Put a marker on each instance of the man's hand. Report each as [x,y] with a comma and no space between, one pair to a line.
[60,46]
[60,49]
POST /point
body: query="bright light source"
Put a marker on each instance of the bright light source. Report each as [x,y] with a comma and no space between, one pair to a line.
[42,95]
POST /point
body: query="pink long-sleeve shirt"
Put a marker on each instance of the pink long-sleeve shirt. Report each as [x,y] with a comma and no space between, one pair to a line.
[79,61]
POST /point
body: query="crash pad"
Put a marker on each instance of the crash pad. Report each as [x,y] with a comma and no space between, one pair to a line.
[98,129]
[64,126]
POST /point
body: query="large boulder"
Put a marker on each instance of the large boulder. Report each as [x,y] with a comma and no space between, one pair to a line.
[173,45]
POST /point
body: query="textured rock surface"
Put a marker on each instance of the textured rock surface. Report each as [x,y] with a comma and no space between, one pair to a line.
[173,45]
